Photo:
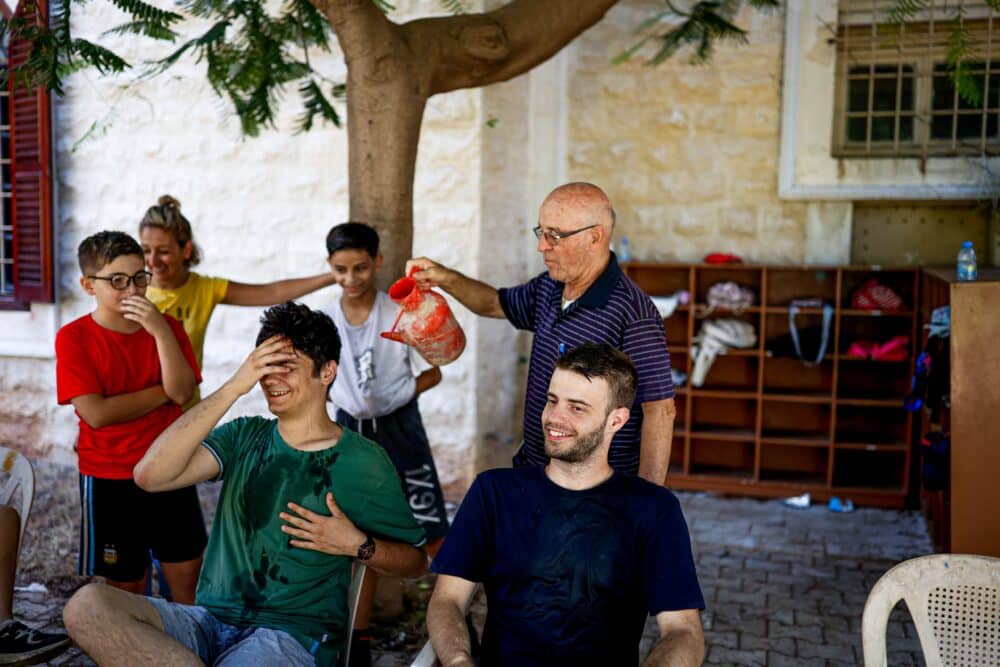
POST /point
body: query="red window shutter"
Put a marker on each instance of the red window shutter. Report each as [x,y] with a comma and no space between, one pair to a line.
[30,174]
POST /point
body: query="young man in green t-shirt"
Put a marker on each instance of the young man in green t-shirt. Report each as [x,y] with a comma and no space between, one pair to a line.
[300,497]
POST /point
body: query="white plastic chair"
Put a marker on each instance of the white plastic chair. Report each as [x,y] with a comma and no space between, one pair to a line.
[353,596]
[954,601]
[20,475]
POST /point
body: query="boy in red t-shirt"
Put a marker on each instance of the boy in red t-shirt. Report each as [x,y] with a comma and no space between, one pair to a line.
[127,369]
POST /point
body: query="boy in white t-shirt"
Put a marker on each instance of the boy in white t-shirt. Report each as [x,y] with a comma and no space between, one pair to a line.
[376,391]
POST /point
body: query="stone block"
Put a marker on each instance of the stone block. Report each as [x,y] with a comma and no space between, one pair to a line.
[720,655]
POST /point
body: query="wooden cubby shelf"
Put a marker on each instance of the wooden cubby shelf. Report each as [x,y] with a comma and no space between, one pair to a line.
[765,423]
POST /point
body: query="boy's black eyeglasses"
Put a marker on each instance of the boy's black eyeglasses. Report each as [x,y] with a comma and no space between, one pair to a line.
[120,281]
[554,238]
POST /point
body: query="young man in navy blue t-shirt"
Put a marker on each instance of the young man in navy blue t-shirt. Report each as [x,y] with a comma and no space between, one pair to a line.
[573,555]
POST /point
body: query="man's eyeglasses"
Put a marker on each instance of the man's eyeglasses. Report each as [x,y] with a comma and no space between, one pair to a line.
[553,238]
[120,281]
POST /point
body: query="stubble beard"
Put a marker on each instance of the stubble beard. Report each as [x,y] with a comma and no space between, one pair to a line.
[584,446]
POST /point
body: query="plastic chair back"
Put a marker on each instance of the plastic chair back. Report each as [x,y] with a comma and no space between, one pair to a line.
[20,475]
[353,595]
[954,601]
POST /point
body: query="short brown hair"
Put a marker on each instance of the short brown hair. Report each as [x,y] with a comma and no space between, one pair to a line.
[100,249]
[600,360]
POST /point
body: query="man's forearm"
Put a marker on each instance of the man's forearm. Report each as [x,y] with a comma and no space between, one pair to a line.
[678,648]
[480,298]
[656,439]
[448,632]
[397,559]
[171,452]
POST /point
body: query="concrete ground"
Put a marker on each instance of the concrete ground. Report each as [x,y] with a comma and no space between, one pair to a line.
[782,586]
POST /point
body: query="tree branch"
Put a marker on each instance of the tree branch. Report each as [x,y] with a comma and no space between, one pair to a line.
[473,50]
[358,24]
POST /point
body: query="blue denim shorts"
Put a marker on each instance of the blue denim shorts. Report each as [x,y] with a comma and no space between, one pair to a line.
[218,643]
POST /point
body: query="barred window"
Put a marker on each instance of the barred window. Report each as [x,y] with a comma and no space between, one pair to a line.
[895,93]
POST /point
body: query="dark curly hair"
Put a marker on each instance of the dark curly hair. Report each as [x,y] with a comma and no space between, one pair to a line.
[100,249]
[311,332]
[593,360]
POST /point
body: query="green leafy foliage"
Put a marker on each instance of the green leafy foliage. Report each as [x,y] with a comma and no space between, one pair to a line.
[453,6]
[700,27]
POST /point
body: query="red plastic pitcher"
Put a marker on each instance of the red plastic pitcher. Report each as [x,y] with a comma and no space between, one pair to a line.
[426,322]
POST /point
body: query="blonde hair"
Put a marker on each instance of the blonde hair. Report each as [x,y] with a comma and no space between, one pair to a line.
[166,215]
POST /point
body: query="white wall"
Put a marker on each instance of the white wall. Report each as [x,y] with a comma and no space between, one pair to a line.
[260,207]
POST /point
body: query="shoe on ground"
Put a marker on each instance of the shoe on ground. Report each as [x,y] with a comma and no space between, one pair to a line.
[798,502]
[840,507]
[21,645]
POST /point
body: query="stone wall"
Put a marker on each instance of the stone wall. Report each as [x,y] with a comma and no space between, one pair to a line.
[260,208]
[688,153]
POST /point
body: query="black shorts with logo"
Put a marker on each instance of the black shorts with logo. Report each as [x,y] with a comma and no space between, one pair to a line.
[121,524]
[401,434]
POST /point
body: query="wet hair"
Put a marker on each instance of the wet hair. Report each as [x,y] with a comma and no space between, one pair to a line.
[600,360]
[166,215]
[310,331]
[352,236]
[100,249]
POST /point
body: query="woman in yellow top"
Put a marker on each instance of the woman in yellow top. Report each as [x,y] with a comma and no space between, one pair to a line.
[170,252]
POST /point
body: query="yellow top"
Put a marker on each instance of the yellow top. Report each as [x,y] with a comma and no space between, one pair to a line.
[192,303]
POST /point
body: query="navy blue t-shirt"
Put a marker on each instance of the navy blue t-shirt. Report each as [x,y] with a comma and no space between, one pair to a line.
[570,576]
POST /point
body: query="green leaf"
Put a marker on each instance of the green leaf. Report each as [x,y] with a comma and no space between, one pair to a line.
[97,56]
[453,6]
[314,103]
[149,29]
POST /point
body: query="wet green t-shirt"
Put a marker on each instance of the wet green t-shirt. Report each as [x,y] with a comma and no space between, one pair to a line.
[251,576]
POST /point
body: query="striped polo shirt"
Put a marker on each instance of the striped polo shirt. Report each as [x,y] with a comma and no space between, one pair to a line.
[613,310]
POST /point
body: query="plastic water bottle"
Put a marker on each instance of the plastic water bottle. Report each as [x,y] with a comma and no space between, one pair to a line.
[625,252]
[966,269]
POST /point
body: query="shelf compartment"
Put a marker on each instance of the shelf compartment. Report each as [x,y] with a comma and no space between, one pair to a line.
[870,402]
[854,312]
[790,376]
[745,276]
[658,279]
[797,465]
[901,281]
[728,434]
[795,419]
[722,458]
[856,468]
[871,447]
[798,398]
[883,382]
[726,415]
[731,372]
[675,328]
[794,439]
[779,344]
[874,425]
[786,284]
[722,393]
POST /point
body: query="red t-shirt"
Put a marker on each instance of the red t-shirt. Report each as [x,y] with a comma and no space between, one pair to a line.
[93,360]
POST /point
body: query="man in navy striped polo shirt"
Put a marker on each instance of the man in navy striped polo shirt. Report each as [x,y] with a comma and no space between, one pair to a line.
[583,297]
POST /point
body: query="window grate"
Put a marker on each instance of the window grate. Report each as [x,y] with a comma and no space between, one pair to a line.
[895,96]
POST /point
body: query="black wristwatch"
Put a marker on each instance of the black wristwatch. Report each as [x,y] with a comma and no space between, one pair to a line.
[367,549]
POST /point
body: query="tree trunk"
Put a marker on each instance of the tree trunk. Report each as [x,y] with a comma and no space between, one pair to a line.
[393,69]
[383,127]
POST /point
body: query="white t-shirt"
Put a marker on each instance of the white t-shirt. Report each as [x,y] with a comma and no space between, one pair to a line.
[376,376]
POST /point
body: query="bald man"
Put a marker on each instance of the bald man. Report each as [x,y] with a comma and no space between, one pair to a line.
[582,297]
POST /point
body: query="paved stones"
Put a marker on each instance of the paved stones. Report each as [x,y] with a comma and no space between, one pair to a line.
[792,584]
[782,586]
